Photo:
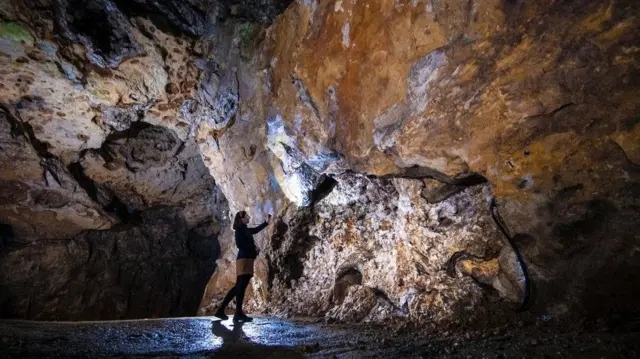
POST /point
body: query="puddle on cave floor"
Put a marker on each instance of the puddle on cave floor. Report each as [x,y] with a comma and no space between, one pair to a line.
[206,337]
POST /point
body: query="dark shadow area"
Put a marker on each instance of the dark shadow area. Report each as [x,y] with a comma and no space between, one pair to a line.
[345,278]
[153,266]
[325,187]
[100,27]
[7,237]
[448,187]
[292,242]
[175,17]
[263,11]
[593,266]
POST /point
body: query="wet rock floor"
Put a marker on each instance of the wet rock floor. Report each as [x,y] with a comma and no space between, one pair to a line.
[300,338]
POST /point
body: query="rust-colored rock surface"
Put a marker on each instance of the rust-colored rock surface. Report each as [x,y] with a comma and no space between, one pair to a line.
[379,133]
[539,99]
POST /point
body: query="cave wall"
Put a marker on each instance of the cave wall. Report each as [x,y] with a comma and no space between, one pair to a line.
[379,133]
[152,267]
[108,211]
[539,103]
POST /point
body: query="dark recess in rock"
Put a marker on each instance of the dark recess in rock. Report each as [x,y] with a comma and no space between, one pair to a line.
[345,279]
[6,236]
[152,267]
[262,11]
[171,16]
[100,26]
[327,184]
[449,186]
[442,192]
[289,246]
[417,172]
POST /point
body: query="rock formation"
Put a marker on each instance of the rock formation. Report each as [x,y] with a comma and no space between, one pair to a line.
[108,210]
[378,133]
[425,100]
[151,267]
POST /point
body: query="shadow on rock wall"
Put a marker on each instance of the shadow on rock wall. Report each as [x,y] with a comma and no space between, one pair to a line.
[151,267]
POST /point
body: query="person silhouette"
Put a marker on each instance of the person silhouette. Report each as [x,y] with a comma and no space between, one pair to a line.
[247,253]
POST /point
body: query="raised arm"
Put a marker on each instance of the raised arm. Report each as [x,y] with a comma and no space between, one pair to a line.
[257,229]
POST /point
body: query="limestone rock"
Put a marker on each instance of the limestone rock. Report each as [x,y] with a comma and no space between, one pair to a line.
[40,198]
[362,304]
[92,135]
[154,267]
[377,132]
[153,167]
[100,27]
[518,94]
[399,243]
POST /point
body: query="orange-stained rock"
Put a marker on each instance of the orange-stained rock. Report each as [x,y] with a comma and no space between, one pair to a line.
[377,132]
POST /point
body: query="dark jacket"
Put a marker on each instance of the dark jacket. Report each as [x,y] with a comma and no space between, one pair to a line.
[244,240]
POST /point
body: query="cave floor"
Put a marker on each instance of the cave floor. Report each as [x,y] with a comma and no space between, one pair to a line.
[205,337]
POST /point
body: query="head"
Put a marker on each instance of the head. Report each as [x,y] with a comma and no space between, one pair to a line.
[242,217]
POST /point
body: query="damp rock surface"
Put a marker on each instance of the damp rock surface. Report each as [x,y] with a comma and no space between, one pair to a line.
[302,338]
[153,266]
[381,135]
[418,99]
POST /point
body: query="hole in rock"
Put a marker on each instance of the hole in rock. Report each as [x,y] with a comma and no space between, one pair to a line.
[472,179]
[323,190]
[346,278]
[92,21]
[524,183]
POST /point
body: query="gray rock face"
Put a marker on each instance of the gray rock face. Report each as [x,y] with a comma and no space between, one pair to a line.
[101,27]
[149,166]
[397,243]
[154,266]
[263,11]
[421,112]
[39,198]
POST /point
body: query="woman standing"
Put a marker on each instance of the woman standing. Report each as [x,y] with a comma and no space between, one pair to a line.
[247,253]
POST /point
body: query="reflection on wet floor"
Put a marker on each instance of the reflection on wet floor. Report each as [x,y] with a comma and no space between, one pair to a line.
[266,338]
[180,336]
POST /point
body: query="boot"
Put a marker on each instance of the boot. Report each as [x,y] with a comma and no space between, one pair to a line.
[220,314]
[241,317]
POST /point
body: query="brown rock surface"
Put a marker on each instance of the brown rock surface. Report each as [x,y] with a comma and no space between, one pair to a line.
[40,198]
[540,103]
[91,135]
[377,132]
[151,267]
